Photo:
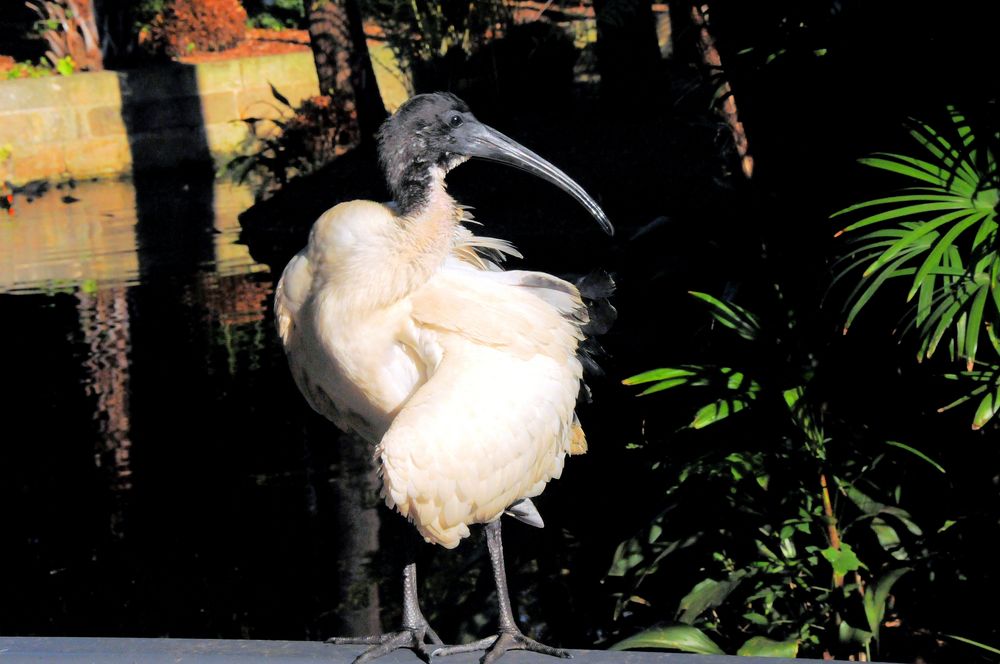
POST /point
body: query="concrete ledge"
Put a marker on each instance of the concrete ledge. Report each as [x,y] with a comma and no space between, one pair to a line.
[63,650]
[75,126]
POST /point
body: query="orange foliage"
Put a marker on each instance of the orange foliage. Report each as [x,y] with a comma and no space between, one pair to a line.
[187,26]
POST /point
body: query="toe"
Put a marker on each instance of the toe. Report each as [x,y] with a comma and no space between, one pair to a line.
[482,644]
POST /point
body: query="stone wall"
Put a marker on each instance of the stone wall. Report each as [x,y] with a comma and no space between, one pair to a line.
[116,123]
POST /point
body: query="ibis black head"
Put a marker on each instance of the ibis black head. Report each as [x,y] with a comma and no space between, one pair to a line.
[436,132]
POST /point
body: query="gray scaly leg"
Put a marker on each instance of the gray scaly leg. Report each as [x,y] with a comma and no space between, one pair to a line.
[415,628]
[509,637]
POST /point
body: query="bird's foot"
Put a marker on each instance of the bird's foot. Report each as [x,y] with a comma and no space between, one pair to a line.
[496,646]
[418,639]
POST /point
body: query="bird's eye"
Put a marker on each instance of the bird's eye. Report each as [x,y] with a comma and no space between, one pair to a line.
[455,120]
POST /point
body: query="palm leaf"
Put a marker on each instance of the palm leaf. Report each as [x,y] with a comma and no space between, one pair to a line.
[663,385]
[717,411]
[911,237]
[732,316]
[917,453]
[930,195]
[984,236]
[972,326]
[869,246]
[942,319]
[657,374]
[941,247]
[921,170]
[983,646]
[894,269]
[965,397]
[990,331]
[664,379]
[951,157]
[907,211]
[987,409]
[927,288]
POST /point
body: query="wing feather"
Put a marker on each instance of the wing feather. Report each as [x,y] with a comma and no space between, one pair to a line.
[483,253]
[293,289]
[526,313]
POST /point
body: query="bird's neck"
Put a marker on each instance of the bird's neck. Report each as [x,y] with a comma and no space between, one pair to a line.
[416,181]
[413,187]
[431,223]
[424,234]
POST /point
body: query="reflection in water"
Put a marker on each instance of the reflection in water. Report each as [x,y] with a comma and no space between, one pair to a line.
[234,308]
[167,485]
[87,243]
[104,323]
[51,245]
[356,488]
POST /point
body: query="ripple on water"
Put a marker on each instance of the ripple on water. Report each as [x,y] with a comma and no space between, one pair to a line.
[96,241]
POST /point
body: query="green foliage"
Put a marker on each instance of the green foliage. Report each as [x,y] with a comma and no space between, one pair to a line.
[266,21]
[939,236]
[677,637]
[981,646]
[145,12]
[843,559]
[760,646]
[801,516]
[28,70]
[278,15]
[65,65]
[421,31]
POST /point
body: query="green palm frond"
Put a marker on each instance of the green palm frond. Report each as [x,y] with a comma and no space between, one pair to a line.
[985,385]
[940,235]
[731,390]
[731,315]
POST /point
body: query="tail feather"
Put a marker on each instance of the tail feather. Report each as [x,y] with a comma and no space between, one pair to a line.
[596,290]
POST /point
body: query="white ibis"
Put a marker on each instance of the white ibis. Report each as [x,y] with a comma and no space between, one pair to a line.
[400,327]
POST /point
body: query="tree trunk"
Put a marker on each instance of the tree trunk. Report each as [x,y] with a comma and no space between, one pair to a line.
[343,65]
[727,106]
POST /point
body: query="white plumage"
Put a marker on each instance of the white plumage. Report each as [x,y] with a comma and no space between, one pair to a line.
[400,326]
[463,376]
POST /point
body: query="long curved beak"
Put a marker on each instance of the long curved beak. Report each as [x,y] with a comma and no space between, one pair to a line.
[485,142]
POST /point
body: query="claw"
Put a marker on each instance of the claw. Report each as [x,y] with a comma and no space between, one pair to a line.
[482,644]
[410,638]
[496,646]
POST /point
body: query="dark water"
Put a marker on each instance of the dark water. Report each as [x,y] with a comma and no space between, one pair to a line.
[154,453]
[160,474]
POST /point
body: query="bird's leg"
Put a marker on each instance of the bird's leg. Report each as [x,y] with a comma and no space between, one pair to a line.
[509,636]
[413,634]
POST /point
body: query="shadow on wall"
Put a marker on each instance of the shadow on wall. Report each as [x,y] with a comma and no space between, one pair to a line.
[172,168]
[162,112]
[173,175]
